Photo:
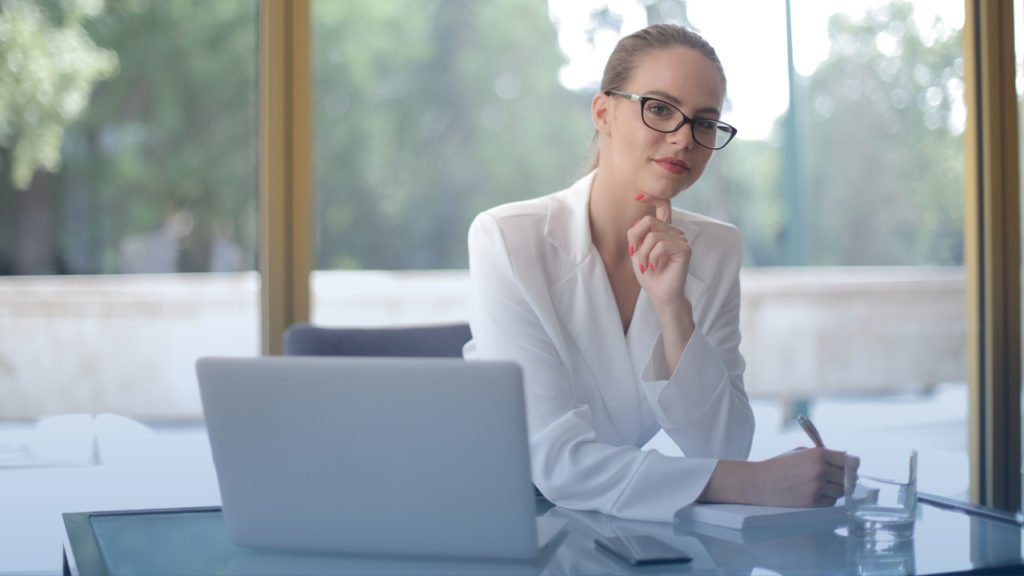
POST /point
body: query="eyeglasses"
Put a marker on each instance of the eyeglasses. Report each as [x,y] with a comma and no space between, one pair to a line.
[661,116]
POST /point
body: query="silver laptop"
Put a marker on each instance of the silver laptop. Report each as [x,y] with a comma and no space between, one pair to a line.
[381,456]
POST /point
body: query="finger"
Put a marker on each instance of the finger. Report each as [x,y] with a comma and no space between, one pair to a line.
[668,249]
[657,259]
[635,235]
[825,501]
[836,458]
[854,462]
[642,254]
[663,211]
[834,476]
[651,242]
[662,207]
[834,491]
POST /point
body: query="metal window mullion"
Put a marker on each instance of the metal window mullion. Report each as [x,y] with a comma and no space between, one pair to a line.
[285,167]
[992,254]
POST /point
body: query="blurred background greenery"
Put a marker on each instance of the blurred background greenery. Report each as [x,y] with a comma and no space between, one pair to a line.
[131,125]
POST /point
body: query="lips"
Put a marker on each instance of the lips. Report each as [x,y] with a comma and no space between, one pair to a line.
[672,164]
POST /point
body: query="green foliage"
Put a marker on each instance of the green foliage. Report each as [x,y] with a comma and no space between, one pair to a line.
[883,163]
[48,67]
[176,131]
[427,112]
[740,186]
[886,162]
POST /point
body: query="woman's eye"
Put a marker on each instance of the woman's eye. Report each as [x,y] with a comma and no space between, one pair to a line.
[658,109]
[705,125]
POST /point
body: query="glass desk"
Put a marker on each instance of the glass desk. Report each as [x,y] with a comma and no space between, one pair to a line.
[192,541]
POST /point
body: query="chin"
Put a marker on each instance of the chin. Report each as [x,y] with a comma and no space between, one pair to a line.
[667,190]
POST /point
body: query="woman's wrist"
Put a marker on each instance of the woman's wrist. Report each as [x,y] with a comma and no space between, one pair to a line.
[677,327]
[732,482]
[678,314]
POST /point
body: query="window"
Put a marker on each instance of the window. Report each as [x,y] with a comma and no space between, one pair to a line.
[851,207]
[851,204]
[427,112]
[128,201]
[1018,8]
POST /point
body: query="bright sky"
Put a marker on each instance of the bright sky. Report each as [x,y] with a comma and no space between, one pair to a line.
[749,36]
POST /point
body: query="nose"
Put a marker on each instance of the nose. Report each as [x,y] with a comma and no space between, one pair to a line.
[682,137]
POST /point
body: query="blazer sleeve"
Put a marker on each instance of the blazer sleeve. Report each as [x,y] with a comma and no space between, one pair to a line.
[571,466]
[703,406]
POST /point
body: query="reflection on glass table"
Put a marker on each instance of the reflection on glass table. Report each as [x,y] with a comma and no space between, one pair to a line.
[192,541]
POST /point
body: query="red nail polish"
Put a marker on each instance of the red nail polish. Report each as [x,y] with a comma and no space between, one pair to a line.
[631,249]
[639,197]
[637,222]
[642,269]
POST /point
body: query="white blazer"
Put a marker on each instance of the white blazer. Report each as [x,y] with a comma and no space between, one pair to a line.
[540,296]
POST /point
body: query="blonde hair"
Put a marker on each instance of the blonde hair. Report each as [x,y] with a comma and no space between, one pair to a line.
[628,52]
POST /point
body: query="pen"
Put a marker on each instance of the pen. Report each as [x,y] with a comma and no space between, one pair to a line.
[811,431]
[971,509]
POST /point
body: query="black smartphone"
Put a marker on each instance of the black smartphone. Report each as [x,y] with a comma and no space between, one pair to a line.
[642,549]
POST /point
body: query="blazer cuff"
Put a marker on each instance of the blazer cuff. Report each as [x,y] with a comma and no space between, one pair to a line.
[695,382]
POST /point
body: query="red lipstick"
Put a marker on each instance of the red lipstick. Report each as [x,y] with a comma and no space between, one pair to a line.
[672,164]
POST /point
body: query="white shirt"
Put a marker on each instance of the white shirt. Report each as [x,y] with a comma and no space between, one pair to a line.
[540,296]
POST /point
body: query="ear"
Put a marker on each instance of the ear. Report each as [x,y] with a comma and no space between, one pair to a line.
[600,113]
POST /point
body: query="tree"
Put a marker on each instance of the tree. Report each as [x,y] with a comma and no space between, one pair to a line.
[50,70]
[48,67]
[885,154]
[426,113]
[174,130]
[429,111]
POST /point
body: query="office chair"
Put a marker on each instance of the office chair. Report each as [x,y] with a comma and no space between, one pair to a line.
[434,341]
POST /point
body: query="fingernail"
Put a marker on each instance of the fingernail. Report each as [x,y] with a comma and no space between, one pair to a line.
[637,222]
[631,249]
[639,197]
[642,269]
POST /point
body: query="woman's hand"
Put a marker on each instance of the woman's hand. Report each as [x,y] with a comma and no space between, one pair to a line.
[804,477]
[660,254]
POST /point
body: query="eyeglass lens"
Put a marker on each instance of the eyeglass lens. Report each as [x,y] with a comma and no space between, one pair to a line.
[664,117]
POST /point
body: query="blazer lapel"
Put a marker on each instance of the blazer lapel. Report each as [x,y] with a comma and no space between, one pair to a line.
[696,287]
[586,306]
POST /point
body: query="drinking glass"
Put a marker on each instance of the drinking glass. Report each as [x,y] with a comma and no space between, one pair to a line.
[881,495]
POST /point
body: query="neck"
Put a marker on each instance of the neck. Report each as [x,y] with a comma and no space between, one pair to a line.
[613,211]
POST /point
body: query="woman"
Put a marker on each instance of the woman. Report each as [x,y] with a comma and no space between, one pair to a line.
[624,312]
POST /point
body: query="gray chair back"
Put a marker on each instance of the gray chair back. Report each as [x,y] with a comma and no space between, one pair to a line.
[432,341]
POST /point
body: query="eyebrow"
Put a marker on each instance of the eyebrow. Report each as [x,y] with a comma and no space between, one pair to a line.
[710,110]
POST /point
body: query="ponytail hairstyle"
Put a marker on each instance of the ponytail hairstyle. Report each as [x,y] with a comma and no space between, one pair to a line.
[628,53]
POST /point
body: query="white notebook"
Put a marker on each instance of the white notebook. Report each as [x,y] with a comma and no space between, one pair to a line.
[743,516]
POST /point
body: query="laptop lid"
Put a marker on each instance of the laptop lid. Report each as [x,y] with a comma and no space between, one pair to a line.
[412,456]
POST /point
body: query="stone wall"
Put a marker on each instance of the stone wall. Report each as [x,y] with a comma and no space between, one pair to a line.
[126,344]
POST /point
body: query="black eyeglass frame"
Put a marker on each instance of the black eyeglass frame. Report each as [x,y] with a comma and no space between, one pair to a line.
[643,100]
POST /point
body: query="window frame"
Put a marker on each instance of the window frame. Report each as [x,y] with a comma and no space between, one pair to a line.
[992,254]
[286,167]
[991,228]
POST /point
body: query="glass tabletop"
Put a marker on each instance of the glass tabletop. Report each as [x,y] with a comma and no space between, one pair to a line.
[193,541]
